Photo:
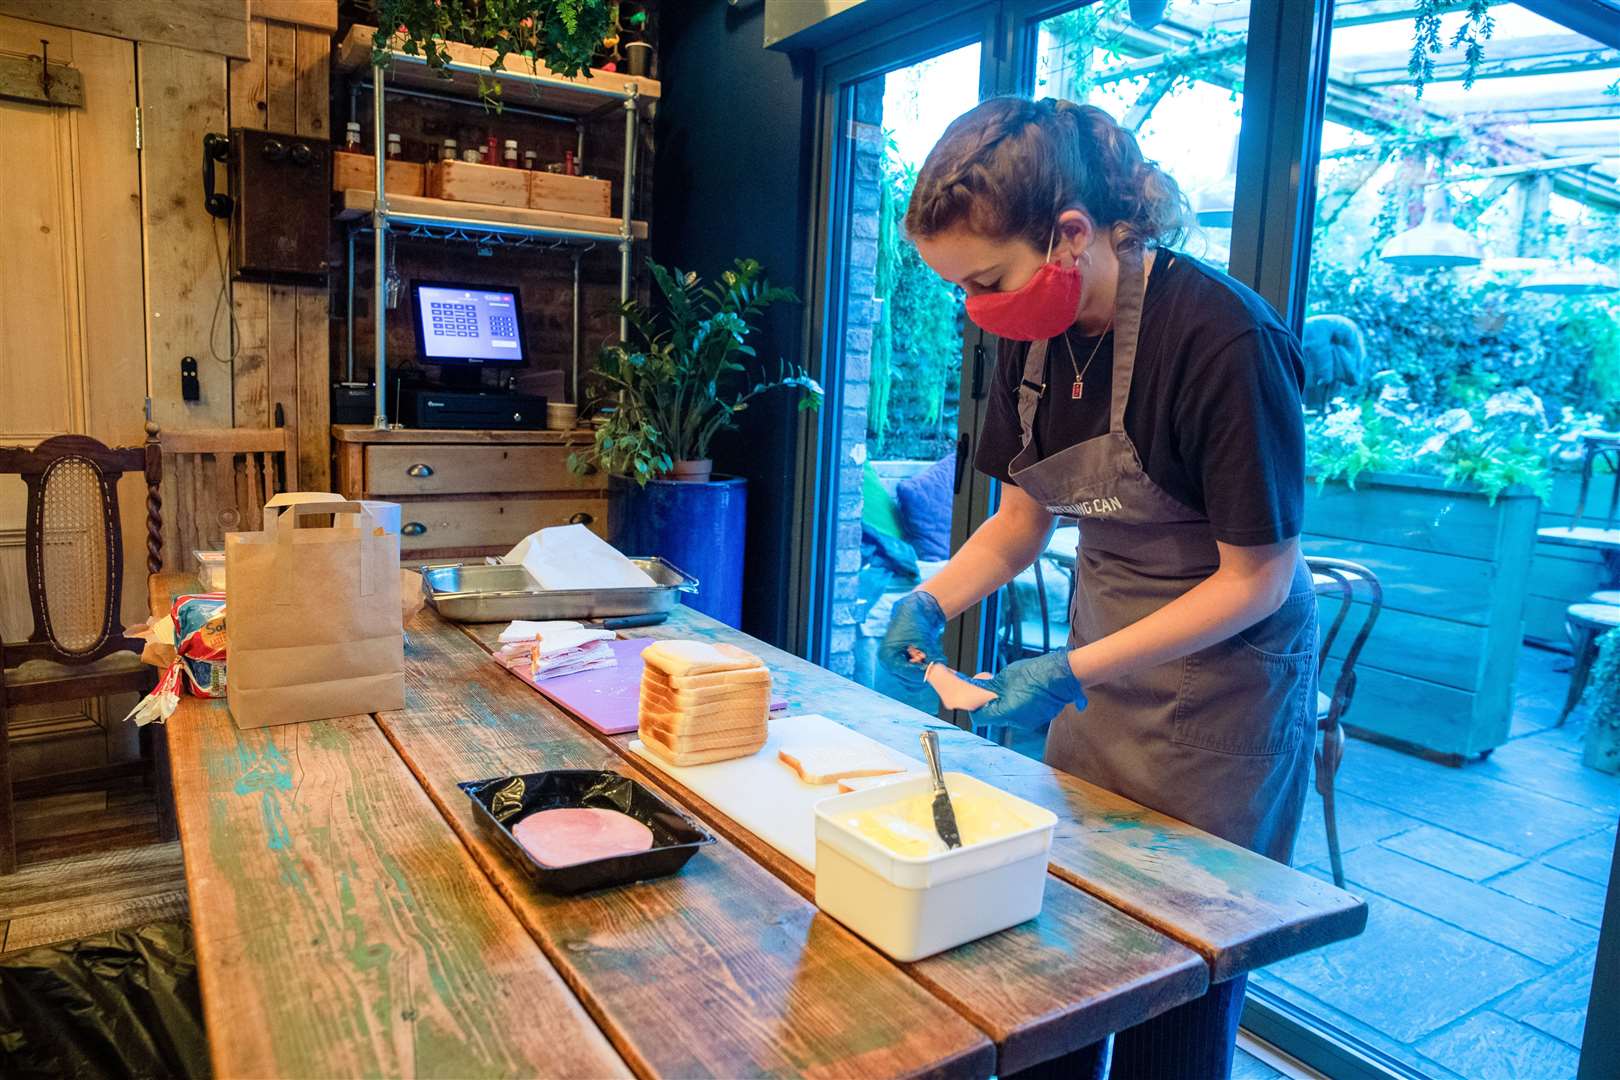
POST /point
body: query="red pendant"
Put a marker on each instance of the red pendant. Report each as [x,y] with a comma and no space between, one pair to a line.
[1077,390]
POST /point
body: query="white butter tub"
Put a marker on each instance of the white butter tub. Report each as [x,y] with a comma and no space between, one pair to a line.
[912,907]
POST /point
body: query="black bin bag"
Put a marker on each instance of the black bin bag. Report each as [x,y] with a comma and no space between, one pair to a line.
[119,1004]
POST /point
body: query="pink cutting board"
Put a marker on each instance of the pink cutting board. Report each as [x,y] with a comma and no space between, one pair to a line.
[607,698]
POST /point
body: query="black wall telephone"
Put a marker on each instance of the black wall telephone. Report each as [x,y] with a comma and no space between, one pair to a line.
[216,147]
[279,202]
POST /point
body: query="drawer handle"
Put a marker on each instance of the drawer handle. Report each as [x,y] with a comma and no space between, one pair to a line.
[419,470]
[581,518]
[412,528]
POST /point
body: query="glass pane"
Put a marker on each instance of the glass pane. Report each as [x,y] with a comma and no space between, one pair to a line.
[1463,324]
[900,365]
[1177,86]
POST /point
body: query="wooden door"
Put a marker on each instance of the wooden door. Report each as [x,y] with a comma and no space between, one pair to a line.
[72,333]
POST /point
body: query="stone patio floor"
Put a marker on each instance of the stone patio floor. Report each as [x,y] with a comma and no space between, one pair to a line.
[1486,887]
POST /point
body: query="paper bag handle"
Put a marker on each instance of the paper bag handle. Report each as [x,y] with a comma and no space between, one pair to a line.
[283,537]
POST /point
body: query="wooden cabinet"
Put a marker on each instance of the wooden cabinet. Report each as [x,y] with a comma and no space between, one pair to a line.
[466,494]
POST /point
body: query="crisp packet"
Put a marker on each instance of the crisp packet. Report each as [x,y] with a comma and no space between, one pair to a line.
[200,646]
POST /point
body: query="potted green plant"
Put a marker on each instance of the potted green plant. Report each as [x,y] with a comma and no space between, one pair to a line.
[683,375]
[560,35]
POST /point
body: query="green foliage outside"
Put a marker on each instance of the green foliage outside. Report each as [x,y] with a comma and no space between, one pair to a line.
[916,337]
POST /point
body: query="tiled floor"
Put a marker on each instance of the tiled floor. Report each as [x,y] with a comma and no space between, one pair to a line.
[1486,888]
[1486,884]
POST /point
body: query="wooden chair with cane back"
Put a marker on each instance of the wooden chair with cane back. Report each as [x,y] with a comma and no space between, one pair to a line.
[216,481]
[75,566]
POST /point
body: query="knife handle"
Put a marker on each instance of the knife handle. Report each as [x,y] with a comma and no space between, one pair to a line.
[930,745]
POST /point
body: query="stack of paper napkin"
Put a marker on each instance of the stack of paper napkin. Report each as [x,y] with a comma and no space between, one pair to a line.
[544,650]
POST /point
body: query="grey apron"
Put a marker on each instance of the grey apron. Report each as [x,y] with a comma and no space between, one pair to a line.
[1222,738]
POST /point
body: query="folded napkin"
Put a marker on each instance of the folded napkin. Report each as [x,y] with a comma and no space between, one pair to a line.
[524,630]
[544,650]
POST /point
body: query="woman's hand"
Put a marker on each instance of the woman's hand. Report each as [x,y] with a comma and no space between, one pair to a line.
[1031,692]
[914,638]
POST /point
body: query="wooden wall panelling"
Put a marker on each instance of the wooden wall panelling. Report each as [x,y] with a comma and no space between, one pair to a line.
[182,96]
[284,86]
[41,344]
[213,26]
[321,14]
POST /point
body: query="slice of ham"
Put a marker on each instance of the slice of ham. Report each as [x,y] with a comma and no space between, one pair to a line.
[570,835]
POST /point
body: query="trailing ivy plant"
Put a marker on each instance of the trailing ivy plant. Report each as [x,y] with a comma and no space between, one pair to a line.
[1427,42]
[685,373]
[561,35]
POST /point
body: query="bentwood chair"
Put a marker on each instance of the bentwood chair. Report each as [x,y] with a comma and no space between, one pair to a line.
[75,566]
[1358,593]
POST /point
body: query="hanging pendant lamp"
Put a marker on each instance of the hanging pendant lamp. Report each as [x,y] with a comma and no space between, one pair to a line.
[1575,275]
[1433,243]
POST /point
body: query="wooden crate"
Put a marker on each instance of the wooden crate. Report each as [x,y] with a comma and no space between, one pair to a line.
[1438,670]
[571,194]
[357,171]
[465,181]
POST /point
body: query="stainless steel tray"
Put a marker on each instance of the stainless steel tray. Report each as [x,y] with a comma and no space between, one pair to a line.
[479,593]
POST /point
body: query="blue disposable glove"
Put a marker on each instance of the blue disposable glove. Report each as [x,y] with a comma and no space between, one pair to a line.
[917,622]
[1030,692]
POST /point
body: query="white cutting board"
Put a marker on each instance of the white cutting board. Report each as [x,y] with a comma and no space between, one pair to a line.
[766,797]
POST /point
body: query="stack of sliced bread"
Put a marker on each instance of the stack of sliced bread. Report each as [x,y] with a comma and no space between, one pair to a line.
[702,703]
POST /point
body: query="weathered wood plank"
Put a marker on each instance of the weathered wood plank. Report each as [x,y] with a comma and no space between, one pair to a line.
[1079,972]
[213,26]
[1422,582]
[1407,518]
[251,386]
[321,14]
[1439,650]
[341,927]
[94,918]
[1412,710]
[280,76]
[313,454]
[281,355]
[719,970]
[182,96]
[247,81]
[1237,909]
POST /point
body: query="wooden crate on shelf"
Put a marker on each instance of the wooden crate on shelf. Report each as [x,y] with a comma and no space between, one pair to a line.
[357,171]
[466,181]
[571,194]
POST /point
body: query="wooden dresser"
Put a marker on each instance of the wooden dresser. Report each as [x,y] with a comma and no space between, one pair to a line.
[466,494]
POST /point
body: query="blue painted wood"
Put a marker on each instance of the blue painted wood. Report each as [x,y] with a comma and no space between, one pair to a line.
[1451,652]
[700,528]
[1438,672]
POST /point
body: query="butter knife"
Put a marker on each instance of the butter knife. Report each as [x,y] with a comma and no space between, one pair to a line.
[944,815]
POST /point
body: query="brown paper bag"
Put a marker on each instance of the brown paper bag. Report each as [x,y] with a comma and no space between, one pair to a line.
[314,615]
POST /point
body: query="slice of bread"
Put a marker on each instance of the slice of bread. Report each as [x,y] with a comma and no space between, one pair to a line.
[682,658]
[819,765]
[714,680]
[661,696]
[683,758]
[670,727]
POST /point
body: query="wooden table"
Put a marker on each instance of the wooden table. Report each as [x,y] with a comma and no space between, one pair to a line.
[350,918]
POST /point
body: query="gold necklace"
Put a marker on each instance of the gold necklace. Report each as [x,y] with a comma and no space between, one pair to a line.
[1079,389]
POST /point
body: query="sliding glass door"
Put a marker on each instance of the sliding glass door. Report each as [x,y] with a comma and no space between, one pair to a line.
[897,428]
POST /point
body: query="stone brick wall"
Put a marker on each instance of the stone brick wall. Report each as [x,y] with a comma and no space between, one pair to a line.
[866,141]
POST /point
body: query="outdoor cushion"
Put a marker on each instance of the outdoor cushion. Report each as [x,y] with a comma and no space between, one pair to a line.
[925,507]
[879,511]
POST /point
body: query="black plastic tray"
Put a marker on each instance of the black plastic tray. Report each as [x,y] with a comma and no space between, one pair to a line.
[502,801]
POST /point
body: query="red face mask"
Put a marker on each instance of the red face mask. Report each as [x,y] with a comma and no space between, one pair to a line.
[1043,308]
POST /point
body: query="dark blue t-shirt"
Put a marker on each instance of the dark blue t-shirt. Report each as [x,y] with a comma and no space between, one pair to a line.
[1214,406]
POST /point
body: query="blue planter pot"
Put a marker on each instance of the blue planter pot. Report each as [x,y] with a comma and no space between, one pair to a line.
[698,527]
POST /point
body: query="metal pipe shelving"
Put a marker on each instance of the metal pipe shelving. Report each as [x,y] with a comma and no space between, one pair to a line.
[444,227]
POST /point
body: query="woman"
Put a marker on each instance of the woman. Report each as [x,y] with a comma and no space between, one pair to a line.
[1158,402]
